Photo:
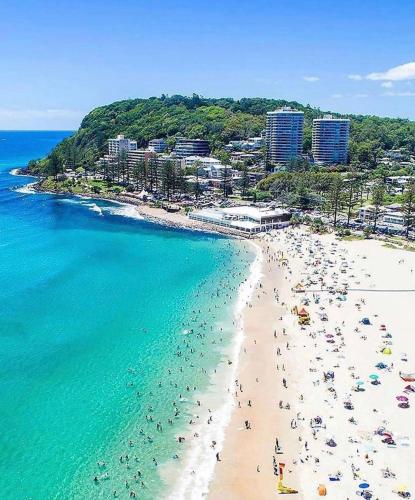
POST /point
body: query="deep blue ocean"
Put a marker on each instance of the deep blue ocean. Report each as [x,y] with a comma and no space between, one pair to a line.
[105,321]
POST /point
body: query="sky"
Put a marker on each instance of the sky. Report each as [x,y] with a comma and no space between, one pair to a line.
[60,59]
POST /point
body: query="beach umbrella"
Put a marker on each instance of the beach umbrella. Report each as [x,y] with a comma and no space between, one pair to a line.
[401,398]
[363,486]
[373,376]
[359,382]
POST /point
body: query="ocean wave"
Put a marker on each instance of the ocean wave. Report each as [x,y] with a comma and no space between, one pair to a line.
[200,460]
[120,209]
[124,211]
[26,189]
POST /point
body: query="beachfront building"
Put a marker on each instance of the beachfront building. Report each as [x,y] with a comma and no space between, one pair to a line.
[157,145]
[330,140]
[247,219]
[390,217]
[191,147]
[284,135]
[115,146]
[139,155]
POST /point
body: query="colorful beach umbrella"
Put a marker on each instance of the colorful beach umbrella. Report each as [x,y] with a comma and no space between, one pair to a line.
[373,376]
[359,382]
[364,486]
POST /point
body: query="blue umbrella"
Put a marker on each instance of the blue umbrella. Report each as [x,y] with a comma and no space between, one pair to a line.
[363,486]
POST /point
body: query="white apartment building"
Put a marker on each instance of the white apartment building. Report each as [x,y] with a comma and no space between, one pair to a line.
[330,140]
[284,135]
[115,146]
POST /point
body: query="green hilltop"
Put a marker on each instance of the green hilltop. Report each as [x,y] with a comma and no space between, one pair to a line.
[219,121]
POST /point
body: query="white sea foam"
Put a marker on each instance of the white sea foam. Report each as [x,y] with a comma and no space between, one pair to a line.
[120,209]
[26,189]
[124,210]
[200,457]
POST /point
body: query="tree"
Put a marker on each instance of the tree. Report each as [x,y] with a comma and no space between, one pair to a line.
[244,181]
[54,166]
[122,166]
[378,197]
[153,177]
[408,207]
[335,196]
[352,182]
[197,183]
[168,178]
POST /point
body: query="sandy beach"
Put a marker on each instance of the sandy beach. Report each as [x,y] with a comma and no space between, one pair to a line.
[329,391]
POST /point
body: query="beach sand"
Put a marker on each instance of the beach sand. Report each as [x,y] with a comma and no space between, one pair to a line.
[246,449]
[342,345]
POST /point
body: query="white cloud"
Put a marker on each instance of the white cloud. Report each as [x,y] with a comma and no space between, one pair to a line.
[311,79]
[399,94]
[398,73]
[361,96]
[336,96]
[355,77]
[386,85]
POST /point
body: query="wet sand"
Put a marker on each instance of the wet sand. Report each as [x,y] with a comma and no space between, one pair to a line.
[244,449]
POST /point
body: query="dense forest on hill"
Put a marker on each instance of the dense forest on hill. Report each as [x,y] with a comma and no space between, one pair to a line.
[219,121]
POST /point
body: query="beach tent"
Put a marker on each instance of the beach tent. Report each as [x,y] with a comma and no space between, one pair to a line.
[387,350]
[366,321]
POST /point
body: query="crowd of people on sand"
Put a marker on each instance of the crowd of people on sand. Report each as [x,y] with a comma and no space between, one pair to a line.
[125,476]
[338,380]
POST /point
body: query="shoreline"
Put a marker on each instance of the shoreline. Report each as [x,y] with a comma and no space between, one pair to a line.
[150,213]
[198,469]
[246,467]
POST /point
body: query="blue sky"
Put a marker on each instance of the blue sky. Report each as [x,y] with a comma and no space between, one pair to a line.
[60,59]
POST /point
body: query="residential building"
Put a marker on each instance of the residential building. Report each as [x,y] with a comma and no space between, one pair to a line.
[331,140]
[191,147]
[140,155]
[251,144]
[284,136]
[201,161]
[390,217]
[115,146]
[157,145]
[248,219]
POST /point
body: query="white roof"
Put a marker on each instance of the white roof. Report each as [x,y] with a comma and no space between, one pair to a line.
[202,159]
[252,212]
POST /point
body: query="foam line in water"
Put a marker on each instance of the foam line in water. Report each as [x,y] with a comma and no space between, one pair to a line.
[200,459]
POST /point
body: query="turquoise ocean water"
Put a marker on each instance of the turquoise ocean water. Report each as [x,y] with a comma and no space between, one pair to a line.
[105,321]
